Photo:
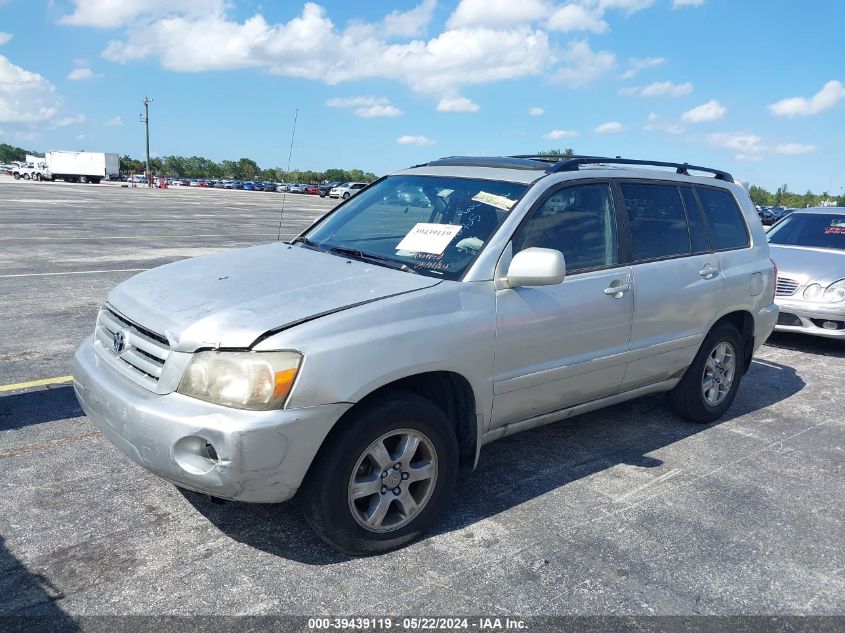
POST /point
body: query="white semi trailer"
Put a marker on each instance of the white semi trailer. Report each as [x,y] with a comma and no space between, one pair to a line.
[82,166]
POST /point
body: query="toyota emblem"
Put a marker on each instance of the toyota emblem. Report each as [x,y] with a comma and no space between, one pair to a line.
[119,342]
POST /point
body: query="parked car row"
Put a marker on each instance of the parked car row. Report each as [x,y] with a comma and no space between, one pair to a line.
[333,189]
[770,215]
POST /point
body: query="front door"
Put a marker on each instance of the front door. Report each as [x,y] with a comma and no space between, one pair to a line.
[558,346]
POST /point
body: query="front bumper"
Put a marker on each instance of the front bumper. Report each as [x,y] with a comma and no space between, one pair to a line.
[256,456]
[807,318]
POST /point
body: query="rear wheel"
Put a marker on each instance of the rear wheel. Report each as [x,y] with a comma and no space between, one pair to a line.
[83,179]
[36,177]
[710,384]
[27,177]
[384,478]
[17,176]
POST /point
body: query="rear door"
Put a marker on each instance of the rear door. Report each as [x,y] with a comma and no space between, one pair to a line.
[558,346]
[678,285]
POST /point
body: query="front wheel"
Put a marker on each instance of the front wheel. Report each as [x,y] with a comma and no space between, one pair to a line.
[710,384]
[384,477]
[17,176]
[346,196]
[83,179]
[26,176]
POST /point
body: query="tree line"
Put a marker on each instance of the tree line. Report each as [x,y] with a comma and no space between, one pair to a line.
[243,169]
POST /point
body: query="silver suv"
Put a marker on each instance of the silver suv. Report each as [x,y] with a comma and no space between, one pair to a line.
[443,307]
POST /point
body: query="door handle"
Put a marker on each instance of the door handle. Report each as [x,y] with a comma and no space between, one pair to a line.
[708,271]
[613,291]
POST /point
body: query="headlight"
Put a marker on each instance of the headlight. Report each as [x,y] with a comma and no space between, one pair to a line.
[258,381]
[835,292]
[812,291]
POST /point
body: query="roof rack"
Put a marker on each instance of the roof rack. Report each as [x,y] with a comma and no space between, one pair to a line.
[507,162]
[572,164]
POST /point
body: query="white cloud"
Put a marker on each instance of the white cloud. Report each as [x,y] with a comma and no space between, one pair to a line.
[77,119]
[747,145]
[611,127]
[557,134]
[411,23]
[794,149]
[575,17]
[637,65]
[367,107]
[677,4]
[414,140]
[536,111]
[4,37]
[628,6]
[114,121]
[81,74]
[659,89]
[114,13]
[310,46]
[25,97]
[582,65]
[357,102]
[655,124]
[457,104]
[706,112]
[497,13]
[830,94]
[378,111]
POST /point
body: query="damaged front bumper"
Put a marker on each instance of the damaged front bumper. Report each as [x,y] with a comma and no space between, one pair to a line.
[255,456]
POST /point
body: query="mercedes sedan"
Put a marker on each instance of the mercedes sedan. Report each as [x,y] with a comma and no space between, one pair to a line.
[808,247]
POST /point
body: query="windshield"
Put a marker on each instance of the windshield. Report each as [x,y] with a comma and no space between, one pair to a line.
[817,230]
[427,224]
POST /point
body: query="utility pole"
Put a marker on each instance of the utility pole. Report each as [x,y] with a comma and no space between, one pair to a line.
[145,119]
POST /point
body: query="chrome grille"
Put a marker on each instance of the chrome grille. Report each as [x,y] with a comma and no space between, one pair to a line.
[145,353]
[786,286]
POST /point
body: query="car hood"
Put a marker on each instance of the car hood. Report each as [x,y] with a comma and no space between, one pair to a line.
[228,300]
[809,264]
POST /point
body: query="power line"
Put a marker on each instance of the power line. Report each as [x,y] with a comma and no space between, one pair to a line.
[284,192]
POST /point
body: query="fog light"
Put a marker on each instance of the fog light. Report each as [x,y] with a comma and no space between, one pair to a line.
[195,455]
[830,325]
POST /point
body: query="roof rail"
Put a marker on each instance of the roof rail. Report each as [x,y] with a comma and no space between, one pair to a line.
[507,162]
[572,164]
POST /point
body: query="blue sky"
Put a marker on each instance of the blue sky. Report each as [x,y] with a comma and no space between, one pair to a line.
[751,86]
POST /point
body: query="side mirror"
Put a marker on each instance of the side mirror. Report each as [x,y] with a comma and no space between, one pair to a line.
[536,267]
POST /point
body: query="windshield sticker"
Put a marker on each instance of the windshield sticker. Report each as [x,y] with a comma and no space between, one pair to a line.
[429,238]
[835,230]
[444,192]
[500,202]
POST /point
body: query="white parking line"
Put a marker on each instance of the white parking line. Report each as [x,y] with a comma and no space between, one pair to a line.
[76,272]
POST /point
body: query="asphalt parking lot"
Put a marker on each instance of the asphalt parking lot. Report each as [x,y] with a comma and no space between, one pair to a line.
[629,510]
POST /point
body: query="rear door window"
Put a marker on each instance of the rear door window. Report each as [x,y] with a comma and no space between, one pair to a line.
[697,228]
[657,219]
[722,214]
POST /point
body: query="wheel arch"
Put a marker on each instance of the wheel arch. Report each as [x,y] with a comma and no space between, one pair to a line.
[743,321]
[450,391]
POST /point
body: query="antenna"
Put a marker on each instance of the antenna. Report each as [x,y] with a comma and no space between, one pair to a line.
[285,193]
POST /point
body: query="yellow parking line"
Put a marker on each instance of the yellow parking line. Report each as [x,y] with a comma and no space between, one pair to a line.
[36,383]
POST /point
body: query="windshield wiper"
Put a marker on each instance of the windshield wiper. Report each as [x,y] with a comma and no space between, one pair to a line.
[307,243]
[372,257]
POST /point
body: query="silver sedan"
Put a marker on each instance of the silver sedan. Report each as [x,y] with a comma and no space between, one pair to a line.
[808,247]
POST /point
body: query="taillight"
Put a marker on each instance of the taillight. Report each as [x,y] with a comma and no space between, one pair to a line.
[774,278]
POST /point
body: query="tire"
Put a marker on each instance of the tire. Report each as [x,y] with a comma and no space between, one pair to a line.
[95,181]
[346,196]
[83,179]
[27,177]
[322,195]
[17,176]
[36,177]
[689,398]
[329,504]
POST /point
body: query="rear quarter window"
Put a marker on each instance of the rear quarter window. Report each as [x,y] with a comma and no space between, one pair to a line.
[724,218]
